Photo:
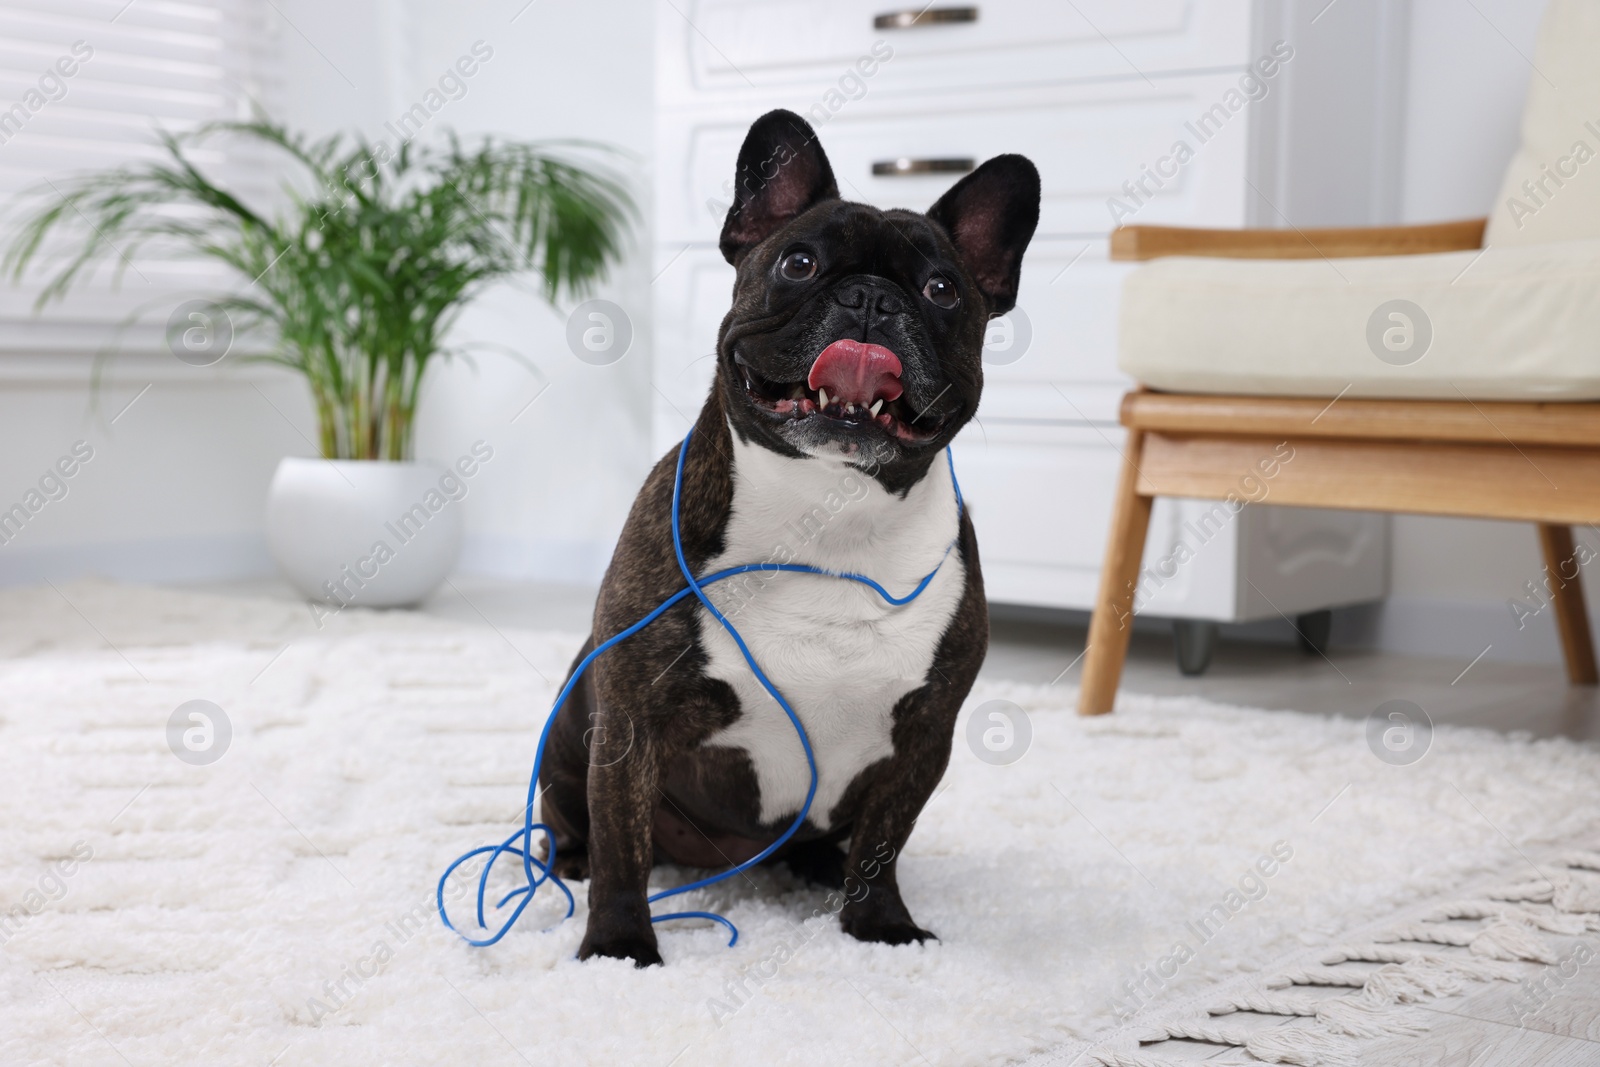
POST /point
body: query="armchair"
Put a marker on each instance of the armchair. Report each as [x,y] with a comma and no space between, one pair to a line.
[1446,369]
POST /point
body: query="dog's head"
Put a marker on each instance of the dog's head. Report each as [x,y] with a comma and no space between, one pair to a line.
[858,333]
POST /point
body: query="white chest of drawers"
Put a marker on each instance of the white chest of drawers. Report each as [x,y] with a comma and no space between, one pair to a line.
[1099,93]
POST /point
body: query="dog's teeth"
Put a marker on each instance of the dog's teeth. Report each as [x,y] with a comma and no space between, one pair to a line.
[876,404]
[849,409]
[822,395]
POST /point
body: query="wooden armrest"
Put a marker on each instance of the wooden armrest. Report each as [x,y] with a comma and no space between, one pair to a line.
[1152,242]
[1565,424]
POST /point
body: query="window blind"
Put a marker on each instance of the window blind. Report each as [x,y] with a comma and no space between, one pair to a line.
[84,85]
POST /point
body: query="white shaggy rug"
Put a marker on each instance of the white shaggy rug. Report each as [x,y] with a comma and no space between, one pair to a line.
[277,906]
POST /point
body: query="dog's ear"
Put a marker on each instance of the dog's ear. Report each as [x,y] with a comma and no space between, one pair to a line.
[990,216]
[782,171]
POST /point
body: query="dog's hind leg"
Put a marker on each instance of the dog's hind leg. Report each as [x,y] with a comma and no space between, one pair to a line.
[623,790]
[564,780]
[819,862]
[572,849]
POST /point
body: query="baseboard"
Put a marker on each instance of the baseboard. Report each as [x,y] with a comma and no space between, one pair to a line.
[526,559]
[1451,629]
[236,557]
[1404,626]
[207,558]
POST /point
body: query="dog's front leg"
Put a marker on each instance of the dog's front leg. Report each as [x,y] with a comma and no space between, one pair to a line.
[873,909]
[622,798]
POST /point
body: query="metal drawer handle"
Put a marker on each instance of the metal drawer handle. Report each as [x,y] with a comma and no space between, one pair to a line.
[899,168]
[928,16]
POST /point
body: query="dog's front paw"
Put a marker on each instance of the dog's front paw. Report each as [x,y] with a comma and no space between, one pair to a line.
[884,929]
[641,950]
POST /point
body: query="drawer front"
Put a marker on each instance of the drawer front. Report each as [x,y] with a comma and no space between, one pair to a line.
[1040,499]
[737,45]
[1305,559]
[1087,144]
[1189,569]
[1054,357]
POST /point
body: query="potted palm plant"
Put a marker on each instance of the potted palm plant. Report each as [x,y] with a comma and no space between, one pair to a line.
[354,281]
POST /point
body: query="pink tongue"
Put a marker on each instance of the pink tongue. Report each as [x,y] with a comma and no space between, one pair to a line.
[856,373]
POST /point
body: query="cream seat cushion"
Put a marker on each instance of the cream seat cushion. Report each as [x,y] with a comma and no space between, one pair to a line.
[1518,323]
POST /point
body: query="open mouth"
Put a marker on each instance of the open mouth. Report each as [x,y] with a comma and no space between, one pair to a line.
[851,384]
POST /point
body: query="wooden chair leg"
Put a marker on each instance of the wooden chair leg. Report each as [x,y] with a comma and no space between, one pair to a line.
[1112,622]
[1566,592]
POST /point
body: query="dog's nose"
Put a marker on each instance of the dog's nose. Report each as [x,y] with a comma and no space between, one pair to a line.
[863,294]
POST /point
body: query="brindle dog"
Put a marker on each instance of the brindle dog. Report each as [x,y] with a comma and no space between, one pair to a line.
[851,357]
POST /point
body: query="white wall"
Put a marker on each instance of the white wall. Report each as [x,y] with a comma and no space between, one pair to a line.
[152,504]
[1468,75]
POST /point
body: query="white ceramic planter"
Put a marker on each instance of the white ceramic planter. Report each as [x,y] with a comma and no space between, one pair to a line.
[364,533]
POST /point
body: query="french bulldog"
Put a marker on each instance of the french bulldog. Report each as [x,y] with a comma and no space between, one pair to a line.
[850,358]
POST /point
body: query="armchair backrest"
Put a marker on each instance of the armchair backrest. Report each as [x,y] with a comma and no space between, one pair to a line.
[1551,191]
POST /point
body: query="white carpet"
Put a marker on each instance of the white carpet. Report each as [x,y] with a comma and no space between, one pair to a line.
[224,905]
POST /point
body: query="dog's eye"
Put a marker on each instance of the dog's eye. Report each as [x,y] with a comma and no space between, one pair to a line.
[941,292]
[798,266]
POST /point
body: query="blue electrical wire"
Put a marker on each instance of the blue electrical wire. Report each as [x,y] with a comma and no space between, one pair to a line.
[697,587]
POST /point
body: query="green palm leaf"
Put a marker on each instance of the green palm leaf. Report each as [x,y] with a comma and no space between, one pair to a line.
[357,283]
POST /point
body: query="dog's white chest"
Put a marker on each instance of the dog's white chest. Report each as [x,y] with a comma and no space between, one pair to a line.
[840,655]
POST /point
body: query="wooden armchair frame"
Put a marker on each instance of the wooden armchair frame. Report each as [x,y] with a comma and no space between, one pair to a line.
[1537,462]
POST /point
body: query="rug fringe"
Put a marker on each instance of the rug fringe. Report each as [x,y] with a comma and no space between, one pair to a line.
[1305,1047]
[1295,1045]
[1515,924]
[1267,1004]
[1579,859]
[1360,1016]
[1538,891]
[1550,922]
[1285,979]
[1579,893]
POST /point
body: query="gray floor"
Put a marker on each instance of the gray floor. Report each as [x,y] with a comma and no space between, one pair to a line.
[1497,695]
